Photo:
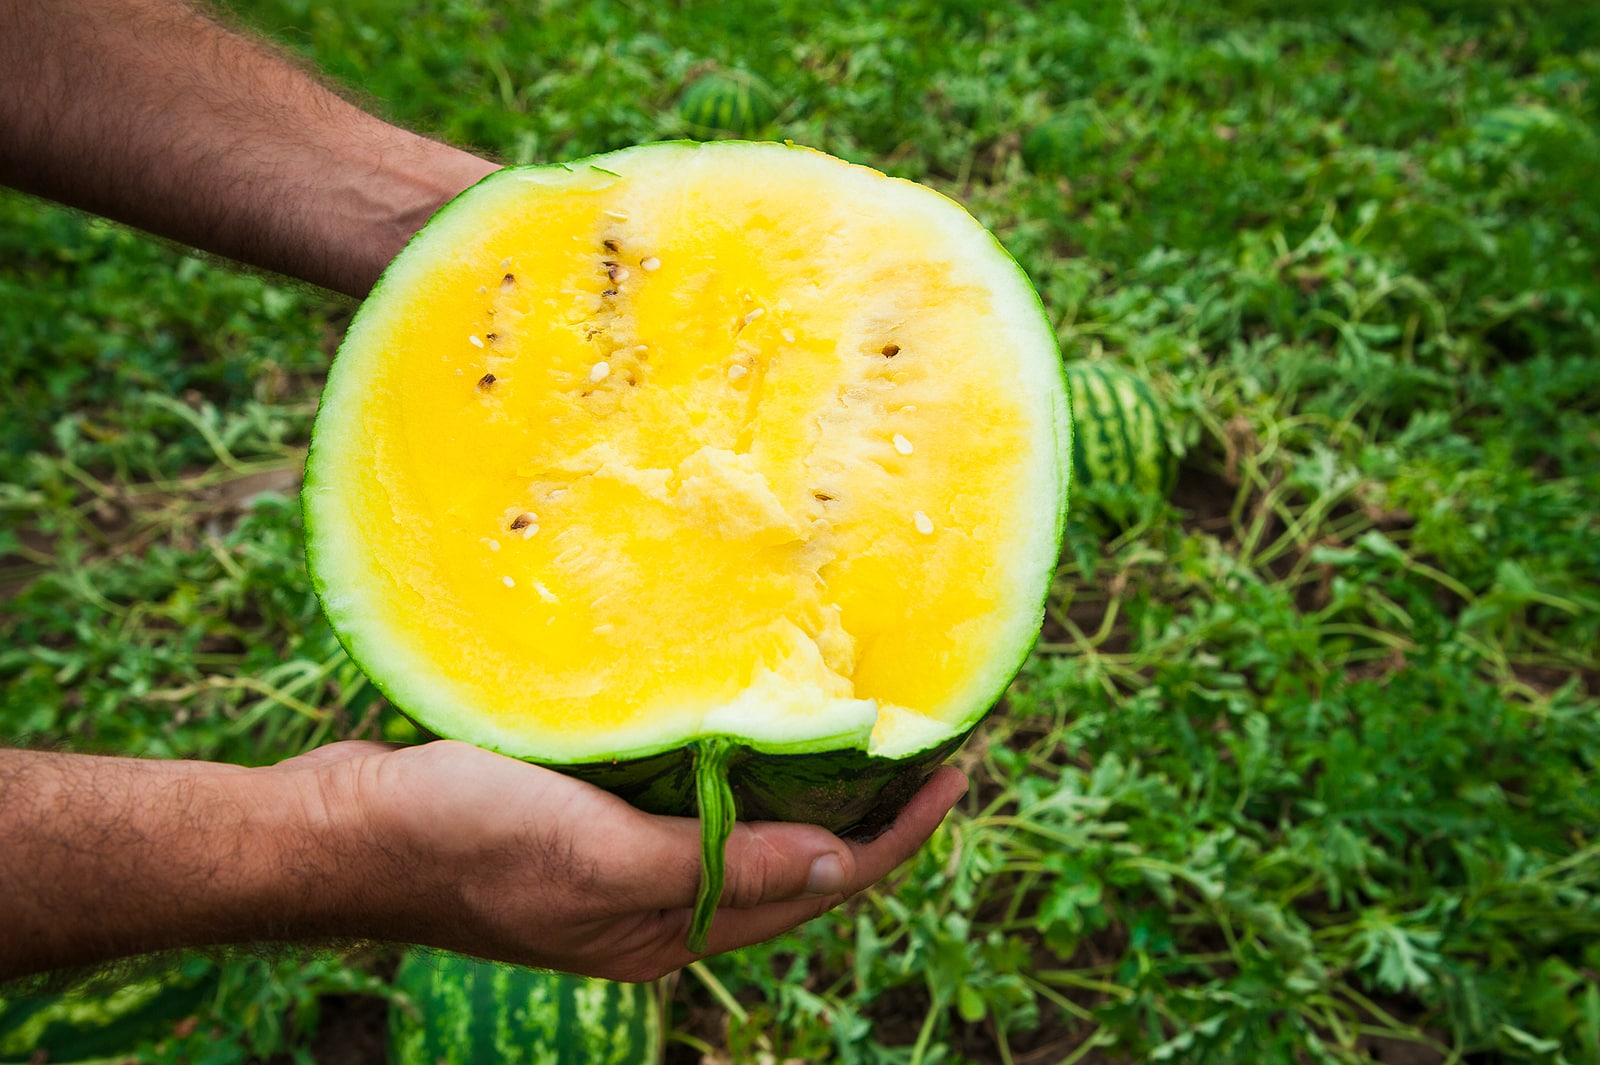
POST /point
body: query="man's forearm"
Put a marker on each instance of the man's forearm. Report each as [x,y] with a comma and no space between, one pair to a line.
[154,114]
[102,858]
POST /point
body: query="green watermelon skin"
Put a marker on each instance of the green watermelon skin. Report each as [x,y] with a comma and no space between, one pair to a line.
[463,1011]
[1119,430]
[848,792]
[733,104]
[81,1026]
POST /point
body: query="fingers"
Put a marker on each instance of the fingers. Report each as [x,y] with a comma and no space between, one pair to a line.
[765,862]
[868,863]
[872,862]
[771,862]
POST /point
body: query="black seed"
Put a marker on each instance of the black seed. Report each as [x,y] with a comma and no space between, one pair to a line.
[822,497]
[508,281]
[521,521]
[891,350]
[492,337]
[485,381]
[609,292]
[611,271]
[610,245]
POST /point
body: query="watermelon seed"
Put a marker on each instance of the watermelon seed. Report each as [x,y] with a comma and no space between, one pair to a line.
[923,523]
[523,520]
[508,282]
[492,337]
[736,371]
[528,533]
[604,630]
[901,444]
[621,216]
[508,582]
[505,264]
[891,350]
[483,290]
[544,593]
[822,497]
[599,371]
[787,334]
[476,342]
[494,545]
[650,265]
[486,381]
[609,245]
[555,493]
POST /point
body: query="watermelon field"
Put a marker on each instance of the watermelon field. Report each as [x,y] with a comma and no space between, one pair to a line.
[1303,767]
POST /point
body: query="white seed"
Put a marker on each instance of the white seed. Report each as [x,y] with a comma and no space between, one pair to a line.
[599,372]
[555,493]
[604,630]
[650,265]
[618,273]
[508,582]
[923,523]
[528,531]
[901,444]
[787,334]
[483,290]
[544,593]
[476,342]
[494,545]
[736,371]
[621,216]
[753,315]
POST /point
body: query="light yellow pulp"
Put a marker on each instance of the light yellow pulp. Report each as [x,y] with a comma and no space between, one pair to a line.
[760,434]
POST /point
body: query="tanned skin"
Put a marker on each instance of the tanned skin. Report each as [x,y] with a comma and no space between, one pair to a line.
[155,114]
[162,117]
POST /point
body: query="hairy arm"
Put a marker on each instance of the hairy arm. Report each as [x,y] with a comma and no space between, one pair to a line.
[155,114]
[442,844]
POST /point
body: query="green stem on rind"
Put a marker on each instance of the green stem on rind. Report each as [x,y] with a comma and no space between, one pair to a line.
[717,815]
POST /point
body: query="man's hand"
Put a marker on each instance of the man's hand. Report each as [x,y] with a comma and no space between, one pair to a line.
[442,844]
[499,858]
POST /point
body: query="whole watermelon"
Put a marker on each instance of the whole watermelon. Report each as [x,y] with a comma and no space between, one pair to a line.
[1121,436]
[457,1010]
[727,103]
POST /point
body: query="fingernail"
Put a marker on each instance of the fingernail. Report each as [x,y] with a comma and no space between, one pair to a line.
[827,876]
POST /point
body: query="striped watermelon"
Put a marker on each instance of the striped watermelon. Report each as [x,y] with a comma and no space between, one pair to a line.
[732,102]
[462,1011]
[81,1025]
[1121,434]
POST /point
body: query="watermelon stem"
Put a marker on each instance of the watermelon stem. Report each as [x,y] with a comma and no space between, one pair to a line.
[717,815]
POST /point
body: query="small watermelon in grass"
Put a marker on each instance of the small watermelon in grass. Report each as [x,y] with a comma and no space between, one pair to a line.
[457,1010]
[1121,430]
[86,1025]
[727,102]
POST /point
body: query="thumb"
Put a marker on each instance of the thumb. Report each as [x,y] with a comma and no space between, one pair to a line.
[763,862]
[770,862]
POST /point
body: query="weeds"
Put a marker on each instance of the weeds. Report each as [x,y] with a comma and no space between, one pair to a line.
[1303,767]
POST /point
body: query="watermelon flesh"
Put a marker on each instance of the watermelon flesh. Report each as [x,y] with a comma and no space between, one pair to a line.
[689,443]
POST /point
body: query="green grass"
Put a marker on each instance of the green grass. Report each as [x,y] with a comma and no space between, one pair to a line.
[1304,767]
